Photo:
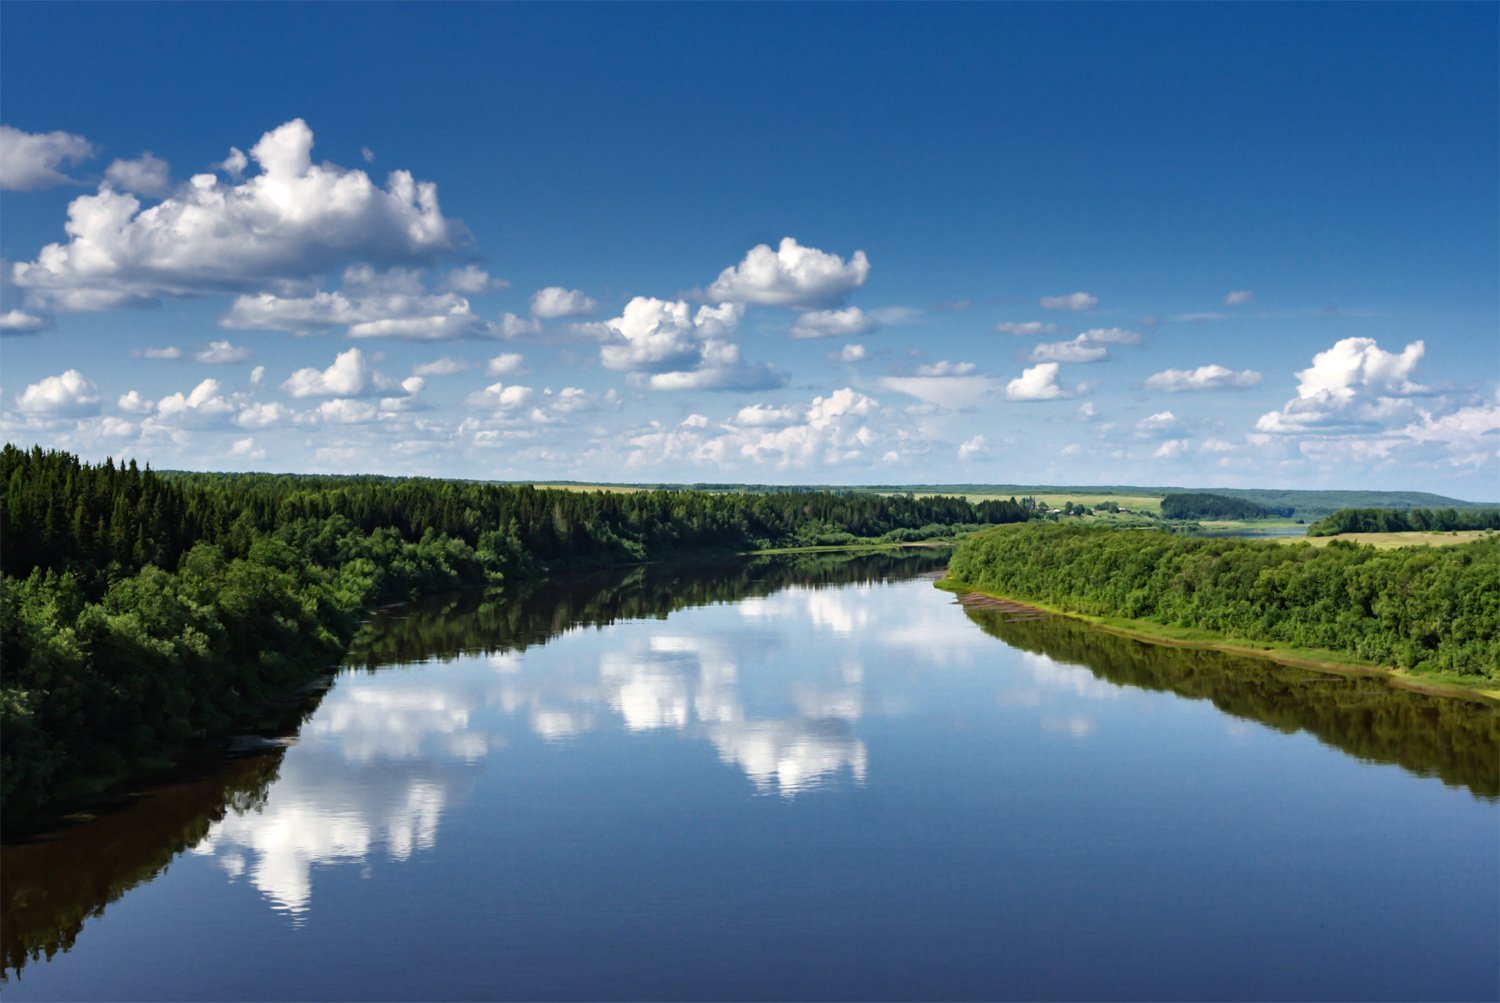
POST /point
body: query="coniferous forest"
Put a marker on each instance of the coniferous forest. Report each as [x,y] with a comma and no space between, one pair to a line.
[145,611]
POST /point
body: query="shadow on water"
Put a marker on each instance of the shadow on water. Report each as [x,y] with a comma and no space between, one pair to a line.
[51,884]
[1450,738]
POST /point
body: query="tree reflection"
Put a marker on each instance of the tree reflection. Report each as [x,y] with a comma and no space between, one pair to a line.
[1453,739]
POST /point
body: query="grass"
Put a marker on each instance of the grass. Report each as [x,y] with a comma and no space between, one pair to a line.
[1287,654]
[1390,541]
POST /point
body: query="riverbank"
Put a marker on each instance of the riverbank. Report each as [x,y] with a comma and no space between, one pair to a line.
[1439,684]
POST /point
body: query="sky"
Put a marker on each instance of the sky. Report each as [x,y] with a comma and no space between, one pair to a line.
[1209,245]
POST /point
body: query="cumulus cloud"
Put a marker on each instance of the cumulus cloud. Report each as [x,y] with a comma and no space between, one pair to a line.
[1071,301]
[852,353]
[349,376]
[792,276]
[1160,423]
[1471,435]
[69,395]
[293,220]
[146,175]
[849,322]
[134,403]
[203,405]
[504,364]
[1351,384]
[218,352]
[1024,328]
[1238,297]
[499,397]
[246,449]
[1171,449]
[575,400]
[344,411]
[973,449]
[1036,383]
[473,279]
[762,415]
[21,322]
[665,345]
[264,415]
[1210,377]
[555,301]
[371,304]
[29,161]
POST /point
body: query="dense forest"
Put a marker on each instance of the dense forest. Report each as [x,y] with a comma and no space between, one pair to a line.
[1200,505]
[1420,520]
[1420,608]
[142,612]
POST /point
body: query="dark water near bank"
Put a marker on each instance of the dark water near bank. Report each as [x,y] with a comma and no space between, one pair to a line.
[795,778]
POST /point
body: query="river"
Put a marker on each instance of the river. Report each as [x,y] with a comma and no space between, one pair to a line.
[808,778]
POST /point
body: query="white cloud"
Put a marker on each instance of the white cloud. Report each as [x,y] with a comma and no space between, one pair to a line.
[1171,449]
[1021,329]
[954,390]
[246,449]
[293,220]
[1160,423]
[348,377]
[391,304]
[555,301]
[203,405]
[168,352]
[1110,336]
[1071,301]
[852,353]
[473,279]
[21,322]
[31,160]
[1238,297]
[791,275]
[763,415]
[1036,383]
[946,368]
[146,175]
[1471,435]
[975,448]
[574,400]
[343,411]
[218,352]
[1353,383]
[1210,377]
[445,366]
[669,347]
[1216,446]
[511,326]
[134,403]
[504,364]
[1087,411]
[264,415]
[233,165]
[1079,349]
[257,375]
[499,397]
[68,395]
[849,322]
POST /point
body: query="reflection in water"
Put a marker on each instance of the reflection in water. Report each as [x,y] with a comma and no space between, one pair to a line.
[785,688]
[386,753]
[1454,739]
[52,887]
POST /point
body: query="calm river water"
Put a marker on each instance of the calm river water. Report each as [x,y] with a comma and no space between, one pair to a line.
[809,779]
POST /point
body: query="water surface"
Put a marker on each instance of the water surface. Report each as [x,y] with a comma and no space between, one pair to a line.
[801,778]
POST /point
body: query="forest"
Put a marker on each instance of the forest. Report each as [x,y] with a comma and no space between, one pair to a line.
[1423,609]
[1200,505]
[142,612]
[1419,520]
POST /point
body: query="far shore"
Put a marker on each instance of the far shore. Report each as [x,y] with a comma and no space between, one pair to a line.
[1306,658]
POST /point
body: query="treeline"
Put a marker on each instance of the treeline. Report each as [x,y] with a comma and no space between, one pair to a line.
[1420,520]
[141,612]
[1200,505]
[1421,608]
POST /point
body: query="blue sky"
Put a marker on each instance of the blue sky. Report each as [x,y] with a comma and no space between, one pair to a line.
[1205,245]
